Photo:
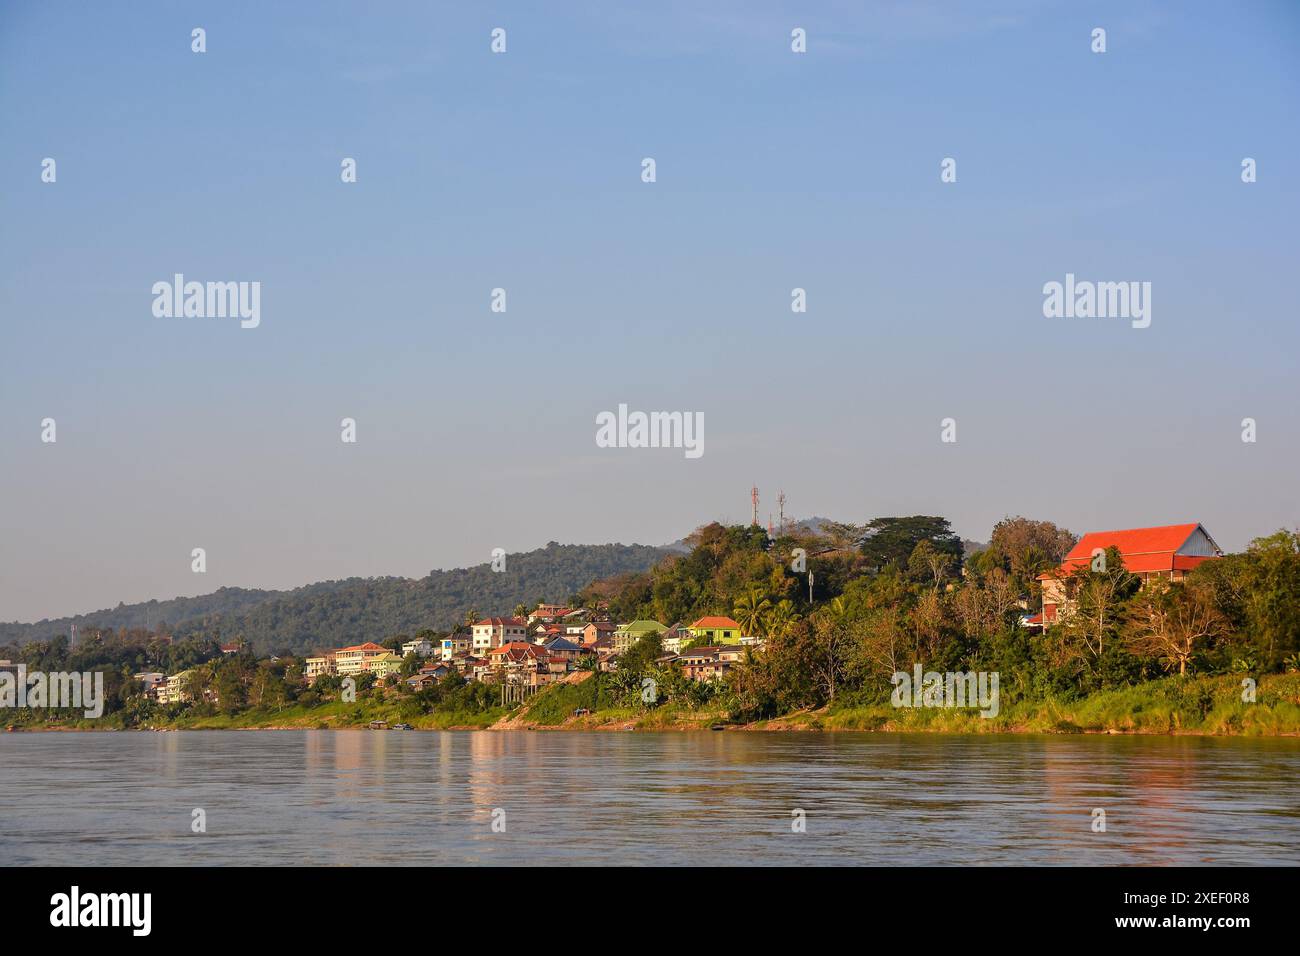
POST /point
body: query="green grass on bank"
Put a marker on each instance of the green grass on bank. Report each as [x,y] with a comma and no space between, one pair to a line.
[1202,705]
[325,716]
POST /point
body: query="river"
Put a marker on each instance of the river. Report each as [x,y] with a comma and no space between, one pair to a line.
[522,797]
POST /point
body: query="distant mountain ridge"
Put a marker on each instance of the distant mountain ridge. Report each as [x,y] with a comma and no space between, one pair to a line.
[336,613]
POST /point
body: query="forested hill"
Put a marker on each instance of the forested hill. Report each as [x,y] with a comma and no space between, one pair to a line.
[336,613]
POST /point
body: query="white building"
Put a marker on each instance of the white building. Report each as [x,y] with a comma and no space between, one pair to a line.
[421,647]
[491,632]
[174,689]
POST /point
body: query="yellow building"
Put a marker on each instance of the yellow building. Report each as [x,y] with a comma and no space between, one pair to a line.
[716,630]
[384,665]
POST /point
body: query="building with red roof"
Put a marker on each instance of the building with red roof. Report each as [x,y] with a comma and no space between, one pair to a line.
[1168,552]
[357,658]
[715,629]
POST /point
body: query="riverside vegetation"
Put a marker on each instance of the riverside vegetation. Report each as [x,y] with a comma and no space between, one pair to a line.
[886,595]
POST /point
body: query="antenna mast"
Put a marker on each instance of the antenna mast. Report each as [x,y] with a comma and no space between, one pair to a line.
[753,498]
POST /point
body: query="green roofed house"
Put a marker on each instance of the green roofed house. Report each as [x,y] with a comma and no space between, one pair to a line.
[628,634]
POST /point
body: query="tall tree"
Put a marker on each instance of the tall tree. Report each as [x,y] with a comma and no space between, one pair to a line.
[1173,623]
[929,564]
[1098,597]
[843,535]
[894,539]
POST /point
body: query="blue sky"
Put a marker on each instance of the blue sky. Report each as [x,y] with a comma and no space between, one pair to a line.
[775,170]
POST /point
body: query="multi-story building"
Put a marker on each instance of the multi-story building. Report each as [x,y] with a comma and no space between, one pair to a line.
[355,659]
[492,632]
[175,689]
[151,681]
[522,663]
[705,664]
[316,667]
[454,645]
[628,634]
[382,665]
[421,647]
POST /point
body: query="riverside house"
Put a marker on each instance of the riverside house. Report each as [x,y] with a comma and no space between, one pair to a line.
[705,664]
[175,689]
[1169,552]
[152,680]
[350,661]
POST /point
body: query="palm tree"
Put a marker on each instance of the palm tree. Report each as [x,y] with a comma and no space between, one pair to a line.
[780,618]
[751,612]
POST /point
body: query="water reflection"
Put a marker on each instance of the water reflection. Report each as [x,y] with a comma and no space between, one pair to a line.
[376,797]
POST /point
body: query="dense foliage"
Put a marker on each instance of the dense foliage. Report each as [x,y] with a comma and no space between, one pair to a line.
[877,608]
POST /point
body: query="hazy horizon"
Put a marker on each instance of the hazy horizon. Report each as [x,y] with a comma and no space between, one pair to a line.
[775,171]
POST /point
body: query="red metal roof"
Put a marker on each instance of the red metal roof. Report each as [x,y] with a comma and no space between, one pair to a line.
[1144,549]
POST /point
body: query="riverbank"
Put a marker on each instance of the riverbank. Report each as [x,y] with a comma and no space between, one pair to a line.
[1209,706]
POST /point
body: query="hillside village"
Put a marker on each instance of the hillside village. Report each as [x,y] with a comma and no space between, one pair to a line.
[541,648]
